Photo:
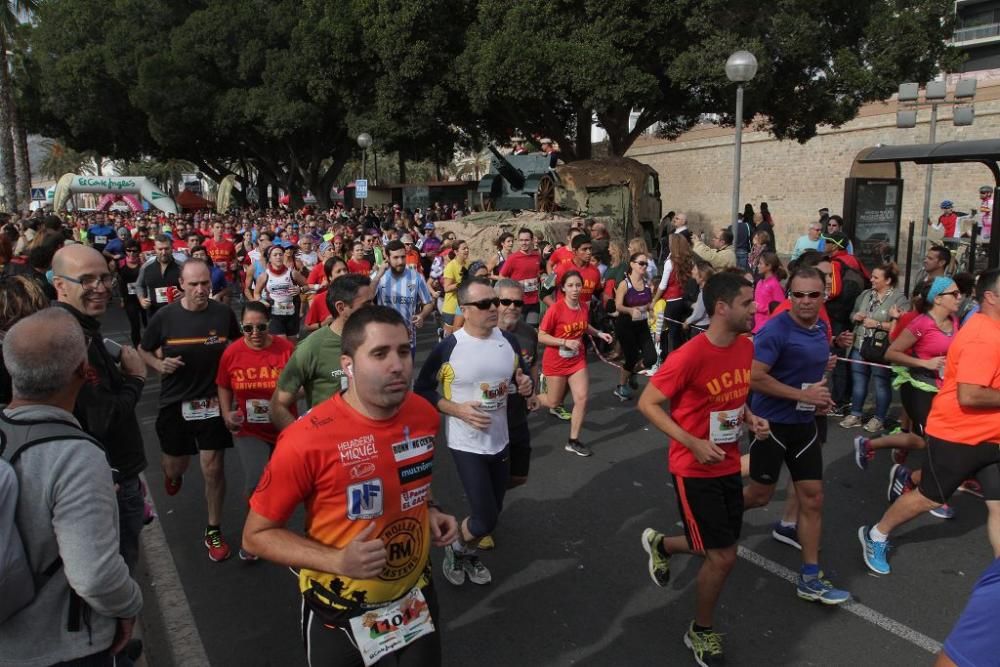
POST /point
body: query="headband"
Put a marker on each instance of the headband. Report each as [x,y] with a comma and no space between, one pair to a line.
[938,286]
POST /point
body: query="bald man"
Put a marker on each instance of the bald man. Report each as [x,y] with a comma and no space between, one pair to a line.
[106,404]
[183,343]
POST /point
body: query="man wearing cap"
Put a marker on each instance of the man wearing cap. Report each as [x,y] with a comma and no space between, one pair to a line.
[847,281]
[550,150]
[948,220]
[835,225]
[429,247]
[412,254]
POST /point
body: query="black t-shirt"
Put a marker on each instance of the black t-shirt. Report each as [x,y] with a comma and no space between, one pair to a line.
[517,405]
[199,338]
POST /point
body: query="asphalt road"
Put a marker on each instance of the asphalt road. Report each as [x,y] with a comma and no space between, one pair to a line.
[570,584]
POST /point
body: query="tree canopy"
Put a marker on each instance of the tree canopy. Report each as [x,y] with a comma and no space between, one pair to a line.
[275,91]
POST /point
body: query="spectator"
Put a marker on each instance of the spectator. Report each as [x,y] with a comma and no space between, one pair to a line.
[19,297]
[808,241]
[720,255]
[835,225]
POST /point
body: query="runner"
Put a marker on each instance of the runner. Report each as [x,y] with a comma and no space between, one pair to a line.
[361,464]
[564,361]
[791,354]
[156,278]
[315,364]
[248,375]
[525,267]
[128,273]
[402,288]
[706,382]
[455,272]
[280,285]
[222,254]
[633,299]
[183,343]
[477,367]
[963,429]
[319,314]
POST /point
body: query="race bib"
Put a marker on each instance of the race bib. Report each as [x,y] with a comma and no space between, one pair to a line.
[201,409]
[530,285]
[566,353]
[806,407]
[258,411]
[386,630]
[283,308]
[131,288]
[640,315]
[100,240]
[725,426]
[161,294]
[493,396]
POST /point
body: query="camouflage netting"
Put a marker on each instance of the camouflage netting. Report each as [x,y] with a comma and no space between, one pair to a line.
[481,230]
[575,178]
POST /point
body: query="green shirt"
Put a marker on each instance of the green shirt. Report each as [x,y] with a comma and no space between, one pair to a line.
[315,366]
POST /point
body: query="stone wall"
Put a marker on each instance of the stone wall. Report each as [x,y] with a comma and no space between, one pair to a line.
[696,170]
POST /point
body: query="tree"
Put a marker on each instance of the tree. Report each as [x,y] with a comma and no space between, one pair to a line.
[549,68]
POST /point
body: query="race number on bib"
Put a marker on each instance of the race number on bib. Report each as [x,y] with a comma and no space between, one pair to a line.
[639,315]
[493,396]
[725,426]
[283,308]
[529,285]
[100,240]
[383,631]
[258,411]
[198,410]
[161,294]
[131,288]
[566,353]
[806,407]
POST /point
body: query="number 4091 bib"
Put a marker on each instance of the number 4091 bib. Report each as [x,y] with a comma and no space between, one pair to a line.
[383,631]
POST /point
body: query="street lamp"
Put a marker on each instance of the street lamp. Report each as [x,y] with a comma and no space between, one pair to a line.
[364,141]
[740,68]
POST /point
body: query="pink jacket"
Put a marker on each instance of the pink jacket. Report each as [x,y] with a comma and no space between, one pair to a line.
[768,290]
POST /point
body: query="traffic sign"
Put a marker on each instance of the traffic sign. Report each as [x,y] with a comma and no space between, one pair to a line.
[37,194]
[361,188]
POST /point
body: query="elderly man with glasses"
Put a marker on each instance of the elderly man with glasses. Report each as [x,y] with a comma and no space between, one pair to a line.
[808,241]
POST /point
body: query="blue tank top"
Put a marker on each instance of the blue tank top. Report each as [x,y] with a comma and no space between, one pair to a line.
[635,298]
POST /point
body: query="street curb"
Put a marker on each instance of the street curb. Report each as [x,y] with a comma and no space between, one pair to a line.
[165,594]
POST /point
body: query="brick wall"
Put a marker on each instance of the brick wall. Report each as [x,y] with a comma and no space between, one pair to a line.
[696,170]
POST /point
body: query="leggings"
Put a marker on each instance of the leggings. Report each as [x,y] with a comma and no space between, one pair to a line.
[254,454]
[136,319]
[917,404]
[673,334]
[484,478]
[636,342]
[333,646]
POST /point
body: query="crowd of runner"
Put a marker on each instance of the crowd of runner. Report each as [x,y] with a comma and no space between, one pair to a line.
[292,338]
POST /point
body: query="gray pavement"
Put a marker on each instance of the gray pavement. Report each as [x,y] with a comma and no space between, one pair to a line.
[570,581]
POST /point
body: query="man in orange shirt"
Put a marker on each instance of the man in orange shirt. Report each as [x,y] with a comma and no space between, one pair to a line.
[963,429]
[361,463]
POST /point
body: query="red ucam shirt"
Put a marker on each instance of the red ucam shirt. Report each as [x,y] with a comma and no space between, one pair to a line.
[591,280]
[252,376]
[525,269]
[707,387]
[222,253]
[560,256]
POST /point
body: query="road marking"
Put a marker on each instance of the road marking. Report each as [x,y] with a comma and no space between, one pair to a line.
[861,611]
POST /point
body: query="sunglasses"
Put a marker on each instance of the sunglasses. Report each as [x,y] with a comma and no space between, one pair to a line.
[512,302]
[254,328]
[484,304]
[955,293]
[807,295]
[643,263]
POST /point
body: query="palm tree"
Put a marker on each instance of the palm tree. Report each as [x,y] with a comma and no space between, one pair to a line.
[12,12]
[60,159]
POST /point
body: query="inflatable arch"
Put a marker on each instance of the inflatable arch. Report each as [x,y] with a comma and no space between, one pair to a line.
[107,201]
[117,185]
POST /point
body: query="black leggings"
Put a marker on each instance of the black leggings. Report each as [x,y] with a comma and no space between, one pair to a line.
[636,341]
[673,333]
[484,478]
[917,404]
[333,645]
[136,319]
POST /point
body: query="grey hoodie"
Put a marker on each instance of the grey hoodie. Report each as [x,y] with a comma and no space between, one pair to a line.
[67,509]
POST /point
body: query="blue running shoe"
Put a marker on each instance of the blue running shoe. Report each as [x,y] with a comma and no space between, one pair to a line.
[943,512]
[874,553]
[900,481]
[863,452]
[786,535]
[821,590]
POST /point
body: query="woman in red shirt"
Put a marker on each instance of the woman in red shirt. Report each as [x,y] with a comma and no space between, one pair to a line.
[564,362]
[248,374]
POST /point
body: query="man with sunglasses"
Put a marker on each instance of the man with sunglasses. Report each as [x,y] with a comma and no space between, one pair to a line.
[791,354]
[477,368]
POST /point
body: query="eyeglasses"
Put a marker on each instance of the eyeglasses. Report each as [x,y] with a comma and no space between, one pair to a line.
[254,328]
[955,293]
[643,263]
[90,282]
[509,302]
[807,295]
[484,304]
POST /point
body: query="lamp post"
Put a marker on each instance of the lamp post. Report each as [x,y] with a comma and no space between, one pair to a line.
[364,141]
[740,68]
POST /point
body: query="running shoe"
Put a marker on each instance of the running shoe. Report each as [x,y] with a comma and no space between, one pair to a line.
[659,564]
[819,589]
[173,486]
[578,448]
[899,455]
[247,556]
[218,550]
[972,487]
[874,553]
[475,570]
[900,482]
[622,392]
[842,410]
[943,512]
[874,425]
[486,543]
[706,647]
[561,412]
[850,421]
[452,568]
[786,535]
[863,452]
[633,382]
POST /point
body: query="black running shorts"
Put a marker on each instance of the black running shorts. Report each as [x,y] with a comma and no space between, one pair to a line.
[795,445]
[520,450]
[712,510]
[184,438]
[948,464]
[284,325]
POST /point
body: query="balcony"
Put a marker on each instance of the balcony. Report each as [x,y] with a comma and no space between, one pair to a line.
[979,34]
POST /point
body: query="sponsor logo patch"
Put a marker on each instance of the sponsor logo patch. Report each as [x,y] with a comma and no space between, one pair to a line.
[358,450]
[408,449]
[362,470]
[415,471]
[413,497]
[364,500]
[404,541]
